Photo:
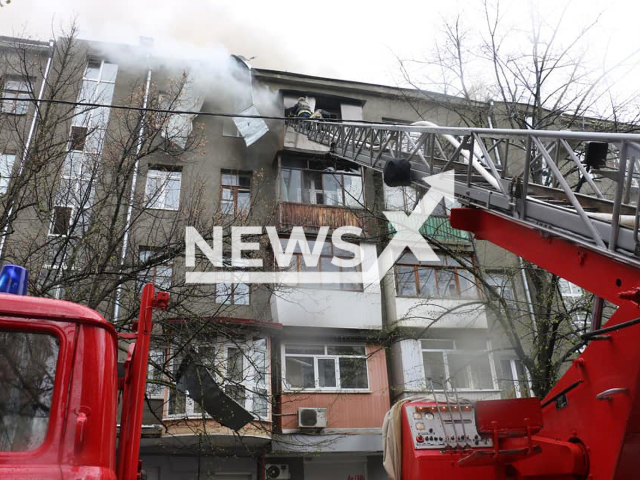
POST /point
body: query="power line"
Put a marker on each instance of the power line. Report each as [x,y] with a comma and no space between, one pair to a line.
[182,112]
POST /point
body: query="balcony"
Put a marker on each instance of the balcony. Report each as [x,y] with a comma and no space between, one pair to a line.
[439,229]
[315,216]
[299,142]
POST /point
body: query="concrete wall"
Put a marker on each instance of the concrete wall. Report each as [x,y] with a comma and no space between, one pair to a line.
[311,307]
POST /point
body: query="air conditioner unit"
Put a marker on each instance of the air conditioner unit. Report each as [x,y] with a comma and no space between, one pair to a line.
[277,472]
[312,417]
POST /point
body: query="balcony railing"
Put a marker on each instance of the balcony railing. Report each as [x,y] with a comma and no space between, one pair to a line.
[439,229]
[315,216]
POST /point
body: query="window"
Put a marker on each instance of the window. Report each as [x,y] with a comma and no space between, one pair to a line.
[448,279]
[155,374]
[6,168]
[27,377]
[160,273]
[77,138]
[236,193]
[503,285]
[16,91]
[326,367]
[61,220]
[100,71]
[233,294]
[321,183]
[324,265]
[459,364]
[52,281]
[240,368]
[514,382]
[163,188]
[400,198]
[575,302]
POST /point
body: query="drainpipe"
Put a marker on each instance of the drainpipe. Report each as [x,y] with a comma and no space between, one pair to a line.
[32,129]
[527,292]
[134,181]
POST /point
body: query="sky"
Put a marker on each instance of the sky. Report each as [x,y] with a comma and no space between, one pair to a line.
[347,39]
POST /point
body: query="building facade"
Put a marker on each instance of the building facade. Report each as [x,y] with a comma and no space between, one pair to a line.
[96,199]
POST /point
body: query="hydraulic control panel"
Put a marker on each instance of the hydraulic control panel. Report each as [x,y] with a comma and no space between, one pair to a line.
[438,426]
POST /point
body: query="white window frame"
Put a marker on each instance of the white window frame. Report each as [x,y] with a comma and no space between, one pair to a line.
[235,189]
[17,105]
[506,281]
[409,196]
[59,290]
[7,161]
[447,372]
[230,299]
[151,278]
[317,388]
[155,391]
[574,295]
[157,200]
[515,377]
[250,382]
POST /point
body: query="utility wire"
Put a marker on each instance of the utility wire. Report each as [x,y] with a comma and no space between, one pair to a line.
[185,112]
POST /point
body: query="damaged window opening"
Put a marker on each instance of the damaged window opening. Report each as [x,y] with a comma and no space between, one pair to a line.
[239,368]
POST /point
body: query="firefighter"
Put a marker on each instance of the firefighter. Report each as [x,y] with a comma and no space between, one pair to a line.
[300,109]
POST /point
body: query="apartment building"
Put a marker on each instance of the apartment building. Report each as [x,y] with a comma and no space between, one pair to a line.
[96,203]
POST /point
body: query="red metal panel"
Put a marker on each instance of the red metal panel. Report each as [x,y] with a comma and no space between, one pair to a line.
[509,417]
[607,424]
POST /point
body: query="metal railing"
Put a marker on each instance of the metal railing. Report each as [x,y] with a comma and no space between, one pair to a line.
[532,176]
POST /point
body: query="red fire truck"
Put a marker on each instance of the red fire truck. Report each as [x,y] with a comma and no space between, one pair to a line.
[60,384]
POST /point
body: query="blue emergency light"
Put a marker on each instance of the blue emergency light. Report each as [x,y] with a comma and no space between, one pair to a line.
[13,279]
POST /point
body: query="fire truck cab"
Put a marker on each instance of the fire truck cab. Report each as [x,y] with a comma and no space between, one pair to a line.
[59,384]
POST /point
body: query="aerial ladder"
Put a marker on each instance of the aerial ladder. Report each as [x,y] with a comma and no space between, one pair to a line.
[515,188]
